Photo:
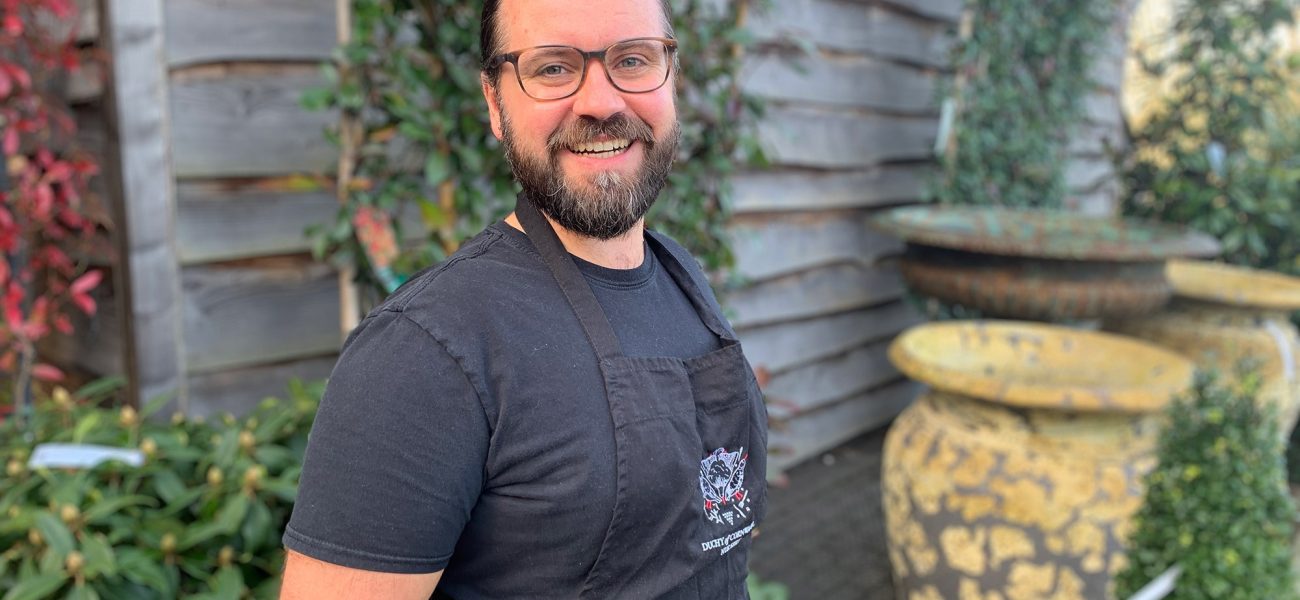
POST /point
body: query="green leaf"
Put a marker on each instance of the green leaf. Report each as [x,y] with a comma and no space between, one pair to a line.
[436,168]
[155,405]
[99,555]
[38,587]
[101,388]
[84,425]
[233,513]
[82,592]
[168,485]
[138,566]
[103,509]
[257,527]
[228,583]
[56,534]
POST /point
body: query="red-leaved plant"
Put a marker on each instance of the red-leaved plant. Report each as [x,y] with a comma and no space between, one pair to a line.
[44,214]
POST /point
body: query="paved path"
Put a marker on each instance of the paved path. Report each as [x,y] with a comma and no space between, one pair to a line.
[824,535]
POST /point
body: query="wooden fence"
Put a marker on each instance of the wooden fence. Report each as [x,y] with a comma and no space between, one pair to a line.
[224,303]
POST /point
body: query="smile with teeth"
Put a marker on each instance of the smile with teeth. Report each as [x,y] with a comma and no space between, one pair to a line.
[605,149]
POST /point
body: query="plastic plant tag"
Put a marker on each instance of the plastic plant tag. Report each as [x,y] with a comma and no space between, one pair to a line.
[81,456]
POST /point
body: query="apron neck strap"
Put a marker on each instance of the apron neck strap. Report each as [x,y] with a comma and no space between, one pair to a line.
[575,287]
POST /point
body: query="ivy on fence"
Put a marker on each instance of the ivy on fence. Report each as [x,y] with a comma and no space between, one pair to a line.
[426,167]
[1023,69]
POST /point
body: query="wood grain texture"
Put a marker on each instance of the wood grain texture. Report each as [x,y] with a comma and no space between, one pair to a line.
[849,26]
[804,389]
[784,346]
[808,435]
[857,82]
[214,225]
[802,190]
[839,140]
[769,248]
[238,316]
[139,155]
[248,123]
[204,31]
[819,292]
[239,391]
[943,10]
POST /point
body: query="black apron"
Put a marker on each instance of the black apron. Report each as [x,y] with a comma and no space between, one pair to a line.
[691,449]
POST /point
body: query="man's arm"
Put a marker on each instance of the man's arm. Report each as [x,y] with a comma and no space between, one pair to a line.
[306,578]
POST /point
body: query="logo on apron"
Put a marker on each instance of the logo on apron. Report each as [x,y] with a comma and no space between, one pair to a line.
[722,480]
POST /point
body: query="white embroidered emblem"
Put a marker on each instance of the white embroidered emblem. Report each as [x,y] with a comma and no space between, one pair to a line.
[722,480]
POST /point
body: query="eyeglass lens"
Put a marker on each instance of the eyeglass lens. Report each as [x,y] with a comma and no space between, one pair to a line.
[634,66]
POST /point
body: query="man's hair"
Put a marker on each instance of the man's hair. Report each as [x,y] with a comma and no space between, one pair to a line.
[490,40]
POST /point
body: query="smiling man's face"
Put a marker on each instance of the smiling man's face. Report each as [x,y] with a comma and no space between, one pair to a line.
[595,161]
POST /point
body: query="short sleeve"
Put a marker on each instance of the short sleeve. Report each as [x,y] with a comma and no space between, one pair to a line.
[395,459]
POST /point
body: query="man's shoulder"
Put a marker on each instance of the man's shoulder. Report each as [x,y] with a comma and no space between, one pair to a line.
[488,272]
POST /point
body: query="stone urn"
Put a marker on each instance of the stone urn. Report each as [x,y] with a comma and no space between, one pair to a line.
[1222,315]
[1016,475]
[1036,264]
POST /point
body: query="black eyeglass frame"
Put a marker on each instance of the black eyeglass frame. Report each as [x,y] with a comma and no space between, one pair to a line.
[670,46]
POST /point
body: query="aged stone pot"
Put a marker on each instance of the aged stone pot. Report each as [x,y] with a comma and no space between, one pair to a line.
[1222,315]
[1016,475]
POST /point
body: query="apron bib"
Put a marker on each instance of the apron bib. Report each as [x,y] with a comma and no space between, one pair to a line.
[690,441]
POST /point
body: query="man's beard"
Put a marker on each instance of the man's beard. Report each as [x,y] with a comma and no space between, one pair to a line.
[613,202]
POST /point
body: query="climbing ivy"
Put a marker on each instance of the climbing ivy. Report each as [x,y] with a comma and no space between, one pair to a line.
[1022,70]
[426,167]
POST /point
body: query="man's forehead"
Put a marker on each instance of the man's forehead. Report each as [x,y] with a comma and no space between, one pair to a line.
[581,23]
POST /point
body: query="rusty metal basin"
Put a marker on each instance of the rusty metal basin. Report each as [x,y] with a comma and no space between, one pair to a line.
[1034,365]
[1042,265]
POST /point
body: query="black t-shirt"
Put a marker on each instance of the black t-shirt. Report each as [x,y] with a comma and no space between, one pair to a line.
[465,426]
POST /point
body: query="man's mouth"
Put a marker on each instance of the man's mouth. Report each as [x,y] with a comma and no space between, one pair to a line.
[602,149]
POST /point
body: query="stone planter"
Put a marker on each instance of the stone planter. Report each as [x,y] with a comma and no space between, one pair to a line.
[1016,475]
[1040,265]
[1223,314]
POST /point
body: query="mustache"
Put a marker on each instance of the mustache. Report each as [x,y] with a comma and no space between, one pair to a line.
[587,129]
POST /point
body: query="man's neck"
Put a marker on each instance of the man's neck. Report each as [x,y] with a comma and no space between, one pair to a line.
[626,251]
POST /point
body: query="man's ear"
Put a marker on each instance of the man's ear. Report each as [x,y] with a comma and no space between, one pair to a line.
[494,108]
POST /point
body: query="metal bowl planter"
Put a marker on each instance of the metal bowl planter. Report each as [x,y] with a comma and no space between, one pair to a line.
[1040,265]
[1222,315]
[1016,475]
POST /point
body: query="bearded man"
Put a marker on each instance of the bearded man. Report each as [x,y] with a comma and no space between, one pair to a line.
[542,415]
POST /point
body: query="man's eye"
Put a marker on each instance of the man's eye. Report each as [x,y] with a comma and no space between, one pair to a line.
[552,70]
[631,62]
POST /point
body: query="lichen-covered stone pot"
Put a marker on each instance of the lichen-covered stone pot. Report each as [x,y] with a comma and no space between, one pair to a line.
[1016,475]
[1222,315]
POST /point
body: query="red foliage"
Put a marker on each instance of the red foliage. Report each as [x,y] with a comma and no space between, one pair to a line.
[44,220]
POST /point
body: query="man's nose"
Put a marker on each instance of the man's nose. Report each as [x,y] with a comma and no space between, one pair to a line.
[598,98]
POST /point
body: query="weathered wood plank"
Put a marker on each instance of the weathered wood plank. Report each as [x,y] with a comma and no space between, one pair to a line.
[1096,141]
[239,391]
[785,346]
[785,190]
[1102,108]
[214,226]
[766,248]
[238,316]
[944,10]
[139,160]
[203,31]
[86,84]
[248,123]
[807,138]
[854,82]
[87,20]
[806,388]
[808,435]
[844,25]
[1088,174]
[824,291]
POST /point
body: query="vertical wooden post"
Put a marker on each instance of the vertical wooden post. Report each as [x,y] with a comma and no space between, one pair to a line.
[349,128]
[139,164]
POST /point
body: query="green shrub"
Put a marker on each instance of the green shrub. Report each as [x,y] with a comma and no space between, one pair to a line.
[1217,504]
[1219,152]
[201,518]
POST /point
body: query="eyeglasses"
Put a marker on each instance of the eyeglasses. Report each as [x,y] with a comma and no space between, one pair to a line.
[634,66]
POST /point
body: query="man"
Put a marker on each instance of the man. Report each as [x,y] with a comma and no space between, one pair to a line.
[559,410]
